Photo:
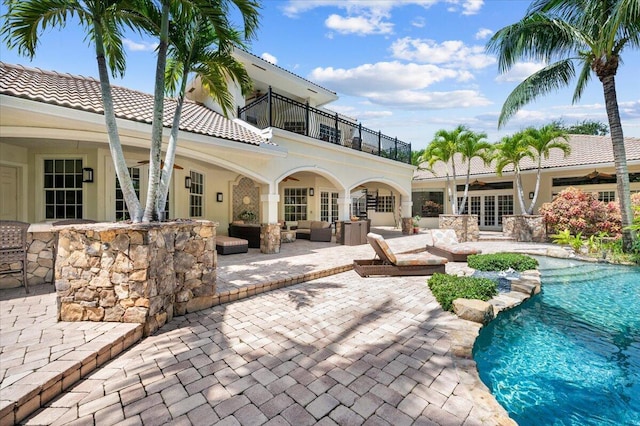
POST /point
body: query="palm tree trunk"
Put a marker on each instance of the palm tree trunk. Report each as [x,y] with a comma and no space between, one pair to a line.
[620,159]
[466,190]
[170,155]
[454,201]
[519,190]
[150,212]
[117,155]
[535,192]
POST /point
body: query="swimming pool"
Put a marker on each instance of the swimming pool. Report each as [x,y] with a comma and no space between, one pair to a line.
[570,355]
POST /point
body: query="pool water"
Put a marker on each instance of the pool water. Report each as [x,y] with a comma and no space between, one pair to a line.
[570,355]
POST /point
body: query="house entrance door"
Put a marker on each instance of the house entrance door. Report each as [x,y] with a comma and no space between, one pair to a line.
[8,193]
[328,206]
[490,209]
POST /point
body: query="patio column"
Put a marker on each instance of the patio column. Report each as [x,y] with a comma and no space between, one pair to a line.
[269,228]
[407,221]
[344,208]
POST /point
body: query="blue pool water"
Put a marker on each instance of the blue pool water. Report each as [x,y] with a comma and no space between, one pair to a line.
[570,355]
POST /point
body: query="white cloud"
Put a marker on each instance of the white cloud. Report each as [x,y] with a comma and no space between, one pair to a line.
[294,8]
[449,53]
[419,22]
[269,58]
[361,25]
[141,46]
[390,75]
[421,100]
[519,72]
[483,33]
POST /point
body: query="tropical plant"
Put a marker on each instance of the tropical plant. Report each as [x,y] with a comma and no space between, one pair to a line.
[444,147]
[472,145]
[195,48]
[501,262]
[578,211]
[564,34]
[585,127]
[542,141]
[447,288]
[510,151]
[103,23]
[416,220]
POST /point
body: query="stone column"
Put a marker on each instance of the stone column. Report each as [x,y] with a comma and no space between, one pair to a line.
[407,226]
[270,238]
[140,273]
[466,226]
[407,219]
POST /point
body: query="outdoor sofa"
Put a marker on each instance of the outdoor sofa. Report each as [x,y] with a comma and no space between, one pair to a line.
[313,230]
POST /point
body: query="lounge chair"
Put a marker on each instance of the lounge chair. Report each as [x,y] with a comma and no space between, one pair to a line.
[445,244]
[389,263]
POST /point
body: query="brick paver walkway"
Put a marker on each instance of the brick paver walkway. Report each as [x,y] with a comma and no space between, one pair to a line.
[337,349]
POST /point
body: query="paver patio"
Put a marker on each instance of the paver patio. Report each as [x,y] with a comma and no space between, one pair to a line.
[339,349]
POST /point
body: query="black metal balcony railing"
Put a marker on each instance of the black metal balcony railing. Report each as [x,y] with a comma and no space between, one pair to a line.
[274,110]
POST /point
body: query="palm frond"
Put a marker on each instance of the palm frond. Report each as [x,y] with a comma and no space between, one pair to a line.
[548,79]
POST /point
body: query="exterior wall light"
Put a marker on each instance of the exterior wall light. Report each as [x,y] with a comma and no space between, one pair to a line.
[87,175]
[187,182]
[311,192]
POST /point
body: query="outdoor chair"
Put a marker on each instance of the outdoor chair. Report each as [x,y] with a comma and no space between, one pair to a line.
[13,248]
[389,263]
[445,244]
[64,222]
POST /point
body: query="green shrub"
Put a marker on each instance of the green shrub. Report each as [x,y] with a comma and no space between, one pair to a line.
[501,262]
[447,288]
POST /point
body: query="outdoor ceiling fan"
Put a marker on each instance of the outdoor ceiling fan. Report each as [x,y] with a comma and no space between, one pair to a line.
[175,166]
[290,178]
[596,174]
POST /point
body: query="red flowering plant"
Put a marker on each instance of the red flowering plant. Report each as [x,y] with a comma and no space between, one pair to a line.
[581,212]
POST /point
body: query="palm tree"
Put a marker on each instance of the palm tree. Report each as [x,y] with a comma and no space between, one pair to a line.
[510,152]
[564,34]
[103,22]
[542,141]
[189,49]
[471,145]
[194,49]
[443,148]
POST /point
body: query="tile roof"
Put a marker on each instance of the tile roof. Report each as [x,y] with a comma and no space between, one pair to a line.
[586,150]
[83,93]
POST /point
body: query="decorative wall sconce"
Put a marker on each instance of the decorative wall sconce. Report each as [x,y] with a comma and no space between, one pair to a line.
[311,192]
[87,175]
[531,195]
[187,182]
[219,197]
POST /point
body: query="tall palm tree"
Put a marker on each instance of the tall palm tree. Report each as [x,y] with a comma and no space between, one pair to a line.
[216,14]
[443,148]
[103,22]
[542,141]
[472,145]
[510,151]
[564,34]
[195,48]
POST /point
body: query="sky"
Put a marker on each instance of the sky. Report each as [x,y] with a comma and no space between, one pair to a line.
[405,67]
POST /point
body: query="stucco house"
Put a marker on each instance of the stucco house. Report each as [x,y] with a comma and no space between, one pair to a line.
[589,167]
[282,157]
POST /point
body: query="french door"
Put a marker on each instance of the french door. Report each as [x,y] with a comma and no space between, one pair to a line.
[328,206]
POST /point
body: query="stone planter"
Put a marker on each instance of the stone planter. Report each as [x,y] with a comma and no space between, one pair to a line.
[138,273]
[526,228]
[465,225]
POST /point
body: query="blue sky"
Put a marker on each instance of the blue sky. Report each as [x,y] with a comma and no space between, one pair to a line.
[405,67]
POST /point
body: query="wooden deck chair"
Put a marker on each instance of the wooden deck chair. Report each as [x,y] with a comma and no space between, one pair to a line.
[389,263]
[445,244]
[13,248]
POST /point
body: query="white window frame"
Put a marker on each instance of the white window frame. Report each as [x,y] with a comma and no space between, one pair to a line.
[195,195]
[40,204]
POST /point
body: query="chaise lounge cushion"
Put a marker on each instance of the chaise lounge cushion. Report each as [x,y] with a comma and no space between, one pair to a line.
[231,245]
[383,251]
[445,243]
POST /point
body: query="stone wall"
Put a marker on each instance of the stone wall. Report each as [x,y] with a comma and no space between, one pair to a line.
[137,273]
[526,228]
[41,242]
[270,238]
[465,225]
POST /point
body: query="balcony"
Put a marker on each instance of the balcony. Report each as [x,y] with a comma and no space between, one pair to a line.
[274,110]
